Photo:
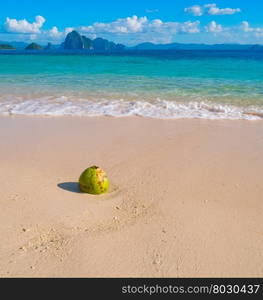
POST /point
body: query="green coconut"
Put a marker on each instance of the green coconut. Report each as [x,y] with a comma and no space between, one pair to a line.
[94,181]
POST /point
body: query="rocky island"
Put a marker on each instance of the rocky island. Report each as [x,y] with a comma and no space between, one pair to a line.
[33,46]
[75,41]
[6,47]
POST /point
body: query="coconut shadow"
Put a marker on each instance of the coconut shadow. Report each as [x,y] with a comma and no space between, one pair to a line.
[70,187]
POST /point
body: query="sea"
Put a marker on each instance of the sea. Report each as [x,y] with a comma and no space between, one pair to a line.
[157,84]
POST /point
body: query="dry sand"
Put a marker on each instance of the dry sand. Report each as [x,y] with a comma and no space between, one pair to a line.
[186,198]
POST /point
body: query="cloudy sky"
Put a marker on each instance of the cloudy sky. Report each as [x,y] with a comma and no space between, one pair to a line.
[132,22]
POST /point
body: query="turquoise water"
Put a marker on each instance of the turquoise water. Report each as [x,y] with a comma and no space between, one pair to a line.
[197,84]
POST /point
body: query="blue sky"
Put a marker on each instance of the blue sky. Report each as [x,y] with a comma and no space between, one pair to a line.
[131,22]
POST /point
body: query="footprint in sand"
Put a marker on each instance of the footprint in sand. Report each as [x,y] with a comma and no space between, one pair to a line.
[51,241]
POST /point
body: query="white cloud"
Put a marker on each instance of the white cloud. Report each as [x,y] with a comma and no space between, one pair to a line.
[247,28]
[214,27]
[134,29]
[132,24]
[240,32]
[214,10]
[210,9]
[54,33]
[137,25]
[68,29]
[189,27]
[195,10]
[23,26]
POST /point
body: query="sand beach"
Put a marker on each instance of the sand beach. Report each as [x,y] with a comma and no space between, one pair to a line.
[185,198]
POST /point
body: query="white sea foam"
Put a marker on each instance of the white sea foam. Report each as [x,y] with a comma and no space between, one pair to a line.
[60,106]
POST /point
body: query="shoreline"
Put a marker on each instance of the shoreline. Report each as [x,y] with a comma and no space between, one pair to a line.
[65,106]
[185,197]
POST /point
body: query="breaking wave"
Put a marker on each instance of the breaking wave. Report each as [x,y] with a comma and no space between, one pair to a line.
[159,108]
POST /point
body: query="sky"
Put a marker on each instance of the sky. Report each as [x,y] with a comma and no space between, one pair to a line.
[133,22]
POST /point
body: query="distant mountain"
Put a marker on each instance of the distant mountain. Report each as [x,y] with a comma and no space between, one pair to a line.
[34,46]
[6,47]
[87,43]
[75,41]
[17,45]
[178,46]
[100,44]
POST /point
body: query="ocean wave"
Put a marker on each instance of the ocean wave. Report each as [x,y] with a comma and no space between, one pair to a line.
[159,108]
